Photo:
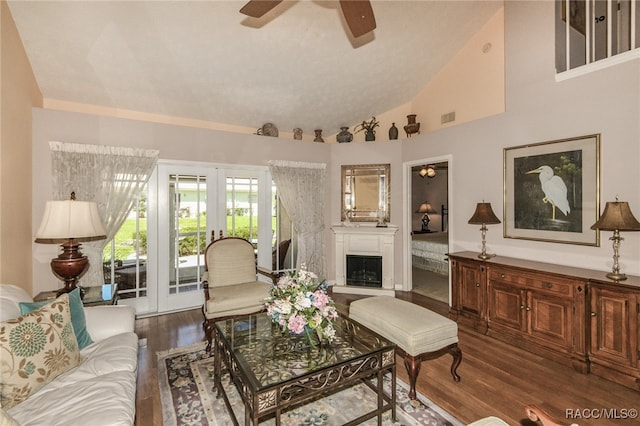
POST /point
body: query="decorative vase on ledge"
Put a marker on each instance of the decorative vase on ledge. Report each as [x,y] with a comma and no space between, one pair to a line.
[318,133]
[344,136]
[412,127]
[393,132]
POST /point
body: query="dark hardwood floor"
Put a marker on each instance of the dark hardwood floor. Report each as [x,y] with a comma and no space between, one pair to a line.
[497,379]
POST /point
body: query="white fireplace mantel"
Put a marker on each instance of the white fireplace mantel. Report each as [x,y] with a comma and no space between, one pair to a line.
[365,240]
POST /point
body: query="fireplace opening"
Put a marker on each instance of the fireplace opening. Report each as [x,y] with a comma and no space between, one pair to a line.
[364,271]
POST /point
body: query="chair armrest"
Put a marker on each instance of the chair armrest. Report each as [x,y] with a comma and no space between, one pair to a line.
[264,271]
[107,321]
[269,273]
[537,414]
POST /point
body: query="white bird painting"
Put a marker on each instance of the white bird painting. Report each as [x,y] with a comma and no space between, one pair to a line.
[554,188]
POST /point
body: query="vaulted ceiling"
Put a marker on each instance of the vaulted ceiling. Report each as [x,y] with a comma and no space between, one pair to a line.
[297,66]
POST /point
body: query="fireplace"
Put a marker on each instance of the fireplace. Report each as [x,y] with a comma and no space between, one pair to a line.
[365,271]
[364,259]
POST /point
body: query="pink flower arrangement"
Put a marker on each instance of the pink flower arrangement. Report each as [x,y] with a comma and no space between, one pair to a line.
[299,304]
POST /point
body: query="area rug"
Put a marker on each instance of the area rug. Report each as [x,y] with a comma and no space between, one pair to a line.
[185,377]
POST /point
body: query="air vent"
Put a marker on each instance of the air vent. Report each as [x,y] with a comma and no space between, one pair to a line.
[448,117]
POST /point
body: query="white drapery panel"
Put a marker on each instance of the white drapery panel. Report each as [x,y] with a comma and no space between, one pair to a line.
[301,190]
[110,176]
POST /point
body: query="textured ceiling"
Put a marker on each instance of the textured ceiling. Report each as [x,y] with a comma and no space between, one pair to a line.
[296,67]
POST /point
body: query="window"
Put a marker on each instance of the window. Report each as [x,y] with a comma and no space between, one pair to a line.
[124,257]
[177,212]
[601,32]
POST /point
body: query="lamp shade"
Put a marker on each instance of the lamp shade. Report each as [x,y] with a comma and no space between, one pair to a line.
[67,219]
[484,215]
[617,216]
[426,208]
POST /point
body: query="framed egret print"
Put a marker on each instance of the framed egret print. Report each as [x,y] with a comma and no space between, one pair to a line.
[552,191]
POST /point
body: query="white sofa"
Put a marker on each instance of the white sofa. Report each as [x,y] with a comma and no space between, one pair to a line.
[101,390]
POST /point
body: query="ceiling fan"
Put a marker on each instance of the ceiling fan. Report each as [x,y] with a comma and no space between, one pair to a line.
[357,13]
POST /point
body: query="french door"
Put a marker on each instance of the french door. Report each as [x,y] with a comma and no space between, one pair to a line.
[194,202]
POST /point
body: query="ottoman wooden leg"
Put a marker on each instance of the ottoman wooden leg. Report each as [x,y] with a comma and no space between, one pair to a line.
[412,364]
[456,353]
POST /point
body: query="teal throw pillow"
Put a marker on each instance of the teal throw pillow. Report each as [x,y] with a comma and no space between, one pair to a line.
[77,316]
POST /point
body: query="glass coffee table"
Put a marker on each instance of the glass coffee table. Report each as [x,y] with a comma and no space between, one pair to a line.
[274,371]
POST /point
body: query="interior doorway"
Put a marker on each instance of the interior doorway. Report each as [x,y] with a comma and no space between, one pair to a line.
[429,219]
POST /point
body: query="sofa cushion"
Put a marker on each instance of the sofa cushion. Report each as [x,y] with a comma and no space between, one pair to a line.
[77,316]
[6,419]
[115,353]
[35,349]
[10,296]
[108,399]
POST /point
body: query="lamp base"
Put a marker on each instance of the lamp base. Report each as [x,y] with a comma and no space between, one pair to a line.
[617,276]
[69,265]
[485,256]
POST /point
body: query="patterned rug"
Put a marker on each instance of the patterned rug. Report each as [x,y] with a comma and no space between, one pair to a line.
[185,376]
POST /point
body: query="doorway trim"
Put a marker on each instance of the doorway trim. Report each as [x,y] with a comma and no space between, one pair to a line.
[407,275]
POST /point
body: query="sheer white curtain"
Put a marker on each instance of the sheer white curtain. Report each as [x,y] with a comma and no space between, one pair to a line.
[110,176]
[301,190]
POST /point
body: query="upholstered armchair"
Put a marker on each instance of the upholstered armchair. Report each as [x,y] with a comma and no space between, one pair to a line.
[231,287]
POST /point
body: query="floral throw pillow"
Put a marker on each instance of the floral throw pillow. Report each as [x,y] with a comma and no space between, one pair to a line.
[35,349]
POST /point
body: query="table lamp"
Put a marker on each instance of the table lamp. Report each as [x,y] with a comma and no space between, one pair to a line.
[426,209]
[616,217]
[68,222]
[484,216]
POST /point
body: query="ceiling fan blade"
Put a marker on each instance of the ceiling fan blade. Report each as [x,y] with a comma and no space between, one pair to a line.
[257,8]
[359,16]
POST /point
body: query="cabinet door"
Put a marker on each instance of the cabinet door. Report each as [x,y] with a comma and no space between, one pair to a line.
[507,305]
[550,318]
[614,326]
[471,288]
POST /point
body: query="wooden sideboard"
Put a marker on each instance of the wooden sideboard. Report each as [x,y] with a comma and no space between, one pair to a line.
[571,315]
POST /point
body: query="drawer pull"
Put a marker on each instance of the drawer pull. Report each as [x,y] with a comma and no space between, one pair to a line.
[593,314]
[528,308]
[502,275]
[477,284]
[548,285]
[521,307]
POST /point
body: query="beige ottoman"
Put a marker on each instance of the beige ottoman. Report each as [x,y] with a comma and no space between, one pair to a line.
[419,333]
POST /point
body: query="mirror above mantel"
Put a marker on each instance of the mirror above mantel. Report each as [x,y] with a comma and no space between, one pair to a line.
[365,193]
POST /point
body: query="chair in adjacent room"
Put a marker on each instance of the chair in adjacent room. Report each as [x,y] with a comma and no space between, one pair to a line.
[278,257]
[231,287]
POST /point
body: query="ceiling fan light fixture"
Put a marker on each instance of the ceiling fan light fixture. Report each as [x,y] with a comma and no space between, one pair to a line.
[428,171]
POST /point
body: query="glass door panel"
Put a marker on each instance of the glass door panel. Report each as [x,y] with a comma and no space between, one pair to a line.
[188,233]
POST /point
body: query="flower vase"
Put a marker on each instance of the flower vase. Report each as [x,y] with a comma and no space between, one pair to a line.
[369,135]
[318,133]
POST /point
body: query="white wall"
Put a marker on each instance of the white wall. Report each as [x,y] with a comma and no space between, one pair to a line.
[537,109]
[174,143]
